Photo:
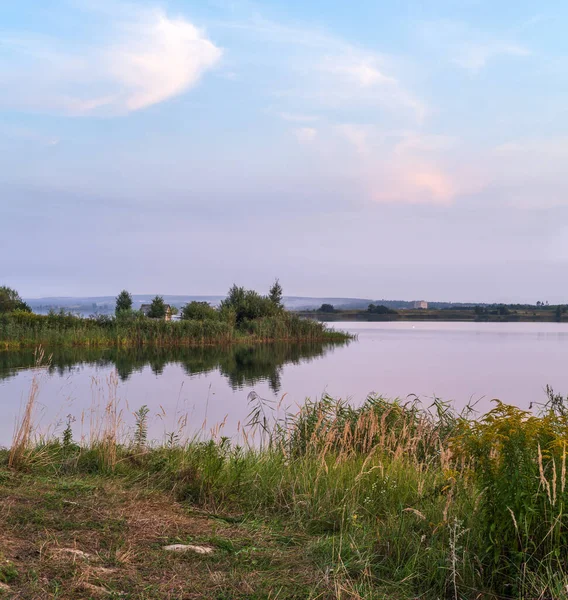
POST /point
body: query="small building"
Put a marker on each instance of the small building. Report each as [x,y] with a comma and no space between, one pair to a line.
[420,304]
[145,309]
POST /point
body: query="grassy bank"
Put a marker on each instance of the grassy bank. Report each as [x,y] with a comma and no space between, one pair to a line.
[386,501]
[23,329]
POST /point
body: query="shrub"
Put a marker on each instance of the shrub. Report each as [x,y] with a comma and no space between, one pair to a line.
[199,311]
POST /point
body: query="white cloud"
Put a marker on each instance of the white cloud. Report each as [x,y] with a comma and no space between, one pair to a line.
[305,135]
[147,58]
[358,71]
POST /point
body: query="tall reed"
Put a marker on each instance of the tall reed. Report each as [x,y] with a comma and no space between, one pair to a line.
[20,329]
[25,426]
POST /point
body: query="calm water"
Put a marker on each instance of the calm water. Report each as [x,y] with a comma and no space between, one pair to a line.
[454,361]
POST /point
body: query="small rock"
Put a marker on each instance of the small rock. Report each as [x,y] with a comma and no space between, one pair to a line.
[76,553]
[189,548]
[4,587]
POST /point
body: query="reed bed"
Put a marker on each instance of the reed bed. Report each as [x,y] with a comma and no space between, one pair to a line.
[396,499]
[21,329]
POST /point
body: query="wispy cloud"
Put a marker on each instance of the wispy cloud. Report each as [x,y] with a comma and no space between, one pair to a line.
[147,57]
[405,167]
[358,71]
[467,47]
[476,56]
[324,71]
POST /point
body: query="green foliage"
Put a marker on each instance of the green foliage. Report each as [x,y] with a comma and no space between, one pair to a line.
[123,302]
[141,427]
[381,310]
[8,572]
[248,305]
[10,301]
[519,461]
[326,308]
[275,294]
[199,311]
[158,308]
[67,437]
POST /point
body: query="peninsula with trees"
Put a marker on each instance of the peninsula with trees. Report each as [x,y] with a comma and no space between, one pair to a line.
[243,316]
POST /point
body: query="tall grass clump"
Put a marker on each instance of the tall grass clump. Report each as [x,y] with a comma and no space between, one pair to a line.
[25,425]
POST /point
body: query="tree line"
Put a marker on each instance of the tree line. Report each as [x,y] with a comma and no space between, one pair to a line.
[239,306]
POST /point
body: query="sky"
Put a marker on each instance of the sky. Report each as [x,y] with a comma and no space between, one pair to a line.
[398,150]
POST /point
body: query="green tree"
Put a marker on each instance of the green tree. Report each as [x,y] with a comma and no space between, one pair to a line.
[326,308]
[275,294]
[123,302]
[157,308]
[199,311]
[10,300]
[247,305]
[381,310]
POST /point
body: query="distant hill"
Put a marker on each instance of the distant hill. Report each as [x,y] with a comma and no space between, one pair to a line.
[89,305]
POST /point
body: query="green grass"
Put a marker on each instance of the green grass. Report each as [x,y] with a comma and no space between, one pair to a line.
[21,330]
[385,501]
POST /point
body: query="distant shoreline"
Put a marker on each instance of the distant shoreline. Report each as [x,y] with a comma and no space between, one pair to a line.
[541,315]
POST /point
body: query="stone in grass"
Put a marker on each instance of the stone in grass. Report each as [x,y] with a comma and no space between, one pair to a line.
[4,587]
[75,553]
[189,548]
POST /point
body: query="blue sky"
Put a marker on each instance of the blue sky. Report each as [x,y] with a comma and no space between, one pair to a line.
[378,149]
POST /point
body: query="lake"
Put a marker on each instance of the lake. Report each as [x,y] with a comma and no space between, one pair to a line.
[202,387]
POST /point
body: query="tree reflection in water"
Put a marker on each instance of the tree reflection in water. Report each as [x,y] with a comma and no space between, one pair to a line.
[242,365]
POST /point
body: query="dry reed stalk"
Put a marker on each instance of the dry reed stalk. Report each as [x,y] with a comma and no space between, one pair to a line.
[218,428]
[543,480]
[553,482]
[445,456]
[24,427]
[105,424]
[563,472]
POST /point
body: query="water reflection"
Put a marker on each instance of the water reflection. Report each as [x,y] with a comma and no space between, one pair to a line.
[242,365]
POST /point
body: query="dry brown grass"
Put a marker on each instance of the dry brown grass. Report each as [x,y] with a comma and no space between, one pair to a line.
[108,541]
[25,425]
